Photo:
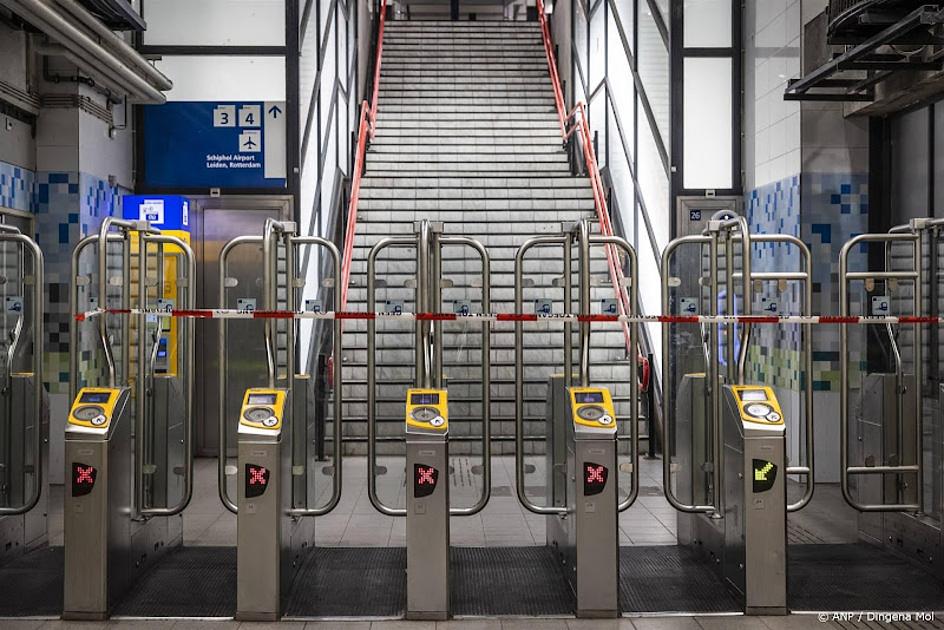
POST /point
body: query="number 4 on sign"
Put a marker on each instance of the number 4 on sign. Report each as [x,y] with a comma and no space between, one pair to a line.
[250,116]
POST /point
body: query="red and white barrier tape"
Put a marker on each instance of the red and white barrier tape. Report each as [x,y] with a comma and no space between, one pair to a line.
[222,313]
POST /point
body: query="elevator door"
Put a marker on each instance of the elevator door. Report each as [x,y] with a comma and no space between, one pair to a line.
[213,228]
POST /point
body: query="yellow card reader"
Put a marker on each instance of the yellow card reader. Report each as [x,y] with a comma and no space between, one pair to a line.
[758,404]
[263,408]
[592,408]
[94,407]
[427,411]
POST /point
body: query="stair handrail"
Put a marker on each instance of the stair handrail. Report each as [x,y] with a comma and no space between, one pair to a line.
[570,124]
[366,130]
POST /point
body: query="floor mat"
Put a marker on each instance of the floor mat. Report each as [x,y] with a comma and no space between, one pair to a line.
[189,582]
[32,584]
[671,579]
[493,581]
[350,581]
[858,577]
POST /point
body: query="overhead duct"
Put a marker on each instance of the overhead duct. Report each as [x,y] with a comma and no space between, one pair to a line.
[109,68]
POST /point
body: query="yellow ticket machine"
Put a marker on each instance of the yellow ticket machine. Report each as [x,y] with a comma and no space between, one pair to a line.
[427,506]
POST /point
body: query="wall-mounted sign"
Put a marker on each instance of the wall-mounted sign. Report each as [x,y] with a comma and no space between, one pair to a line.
[215,144]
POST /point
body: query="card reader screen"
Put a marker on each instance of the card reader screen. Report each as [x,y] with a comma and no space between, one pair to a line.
[588,397]
[753,395]
[424,399]
[261,399]
[95,397]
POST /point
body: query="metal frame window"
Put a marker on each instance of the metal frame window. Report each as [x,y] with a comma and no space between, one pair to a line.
[289,52]
[680,53]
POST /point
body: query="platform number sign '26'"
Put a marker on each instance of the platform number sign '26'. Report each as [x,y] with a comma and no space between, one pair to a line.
[425,479]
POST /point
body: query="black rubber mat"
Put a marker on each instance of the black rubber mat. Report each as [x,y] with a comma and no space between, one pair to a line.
[189,582]
[671,579]
[858,577]
[32,584]
[494,581]
[350,581]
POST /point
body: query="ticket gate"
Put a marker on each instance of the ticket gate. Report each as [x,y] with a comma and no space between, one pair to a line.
[275,475]
[24,413]
[128,440]
[728,475]
[890,441]
[426,422]
[582,467]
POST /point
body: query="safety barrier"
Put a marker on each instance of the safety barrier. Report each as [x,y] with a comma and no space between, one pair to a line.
[223,313]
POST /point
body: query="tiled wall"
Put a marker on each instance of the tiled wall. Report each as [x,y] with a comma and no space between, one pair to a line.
[824,210]
[16,188]
[775,209]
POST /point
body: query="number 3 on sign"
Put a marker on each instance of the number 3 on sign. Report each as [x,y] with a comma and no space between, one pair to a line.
[224,116]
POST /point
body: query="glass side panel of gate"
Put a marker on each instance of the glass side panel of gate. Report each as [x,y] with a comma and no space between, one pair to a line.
[688,355]
[15,426]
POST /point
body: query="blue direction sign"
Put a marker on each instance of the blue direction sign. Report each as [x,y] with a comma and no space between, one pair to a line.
[215,144]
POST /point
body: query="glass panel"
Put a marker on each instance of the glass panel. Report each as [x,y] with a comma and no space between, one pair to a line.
[597,43]
[654,185]
[624,193]
[215,22]
[707,23]
[224,78]
[580,45]
[707,123]
[653,62]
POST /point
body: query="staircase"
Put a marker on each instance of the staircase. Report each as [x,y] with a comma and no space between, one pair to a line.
[468,135]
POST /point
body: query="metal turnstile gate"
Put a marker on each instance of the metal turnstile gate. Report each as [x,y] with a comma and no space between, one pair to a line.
[426,422]
[275,474]
[891,423]
[582,467]
[128,442]
[731,458]
[24,413]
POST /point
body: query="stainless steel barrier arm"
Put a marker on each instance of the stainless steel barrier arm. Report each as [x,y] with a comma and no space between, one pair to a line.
[712,371]
[845,276]
[337,354]
[76,282]
[382,244]
[221,401]
[565,242]
[630,251]
[804,276]
[486,376]
[189,359]
[38,354]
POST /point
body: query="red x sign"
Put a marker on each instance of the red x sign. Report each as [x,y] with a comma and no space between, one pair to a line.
[425,476]
[257,476]
[595,474]
[83,474]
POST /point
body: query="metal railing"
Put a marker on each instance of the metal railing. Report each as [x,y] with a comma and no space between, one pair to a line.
[584,242]
[572,124]
[366,129]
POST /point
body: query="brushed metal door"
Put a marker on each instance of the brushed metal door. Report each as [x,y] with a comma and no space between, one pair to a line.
[246,352]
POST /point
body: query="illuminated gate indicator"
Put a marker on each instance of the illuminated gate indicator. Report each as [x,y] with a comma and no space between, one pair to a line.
[257,480]
[83,479]
[424,480]
[594,479]
[765,473]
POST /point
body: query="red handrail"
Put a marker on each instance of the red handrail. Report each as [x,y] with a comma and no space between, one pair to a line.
[582,126]
[366,129]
